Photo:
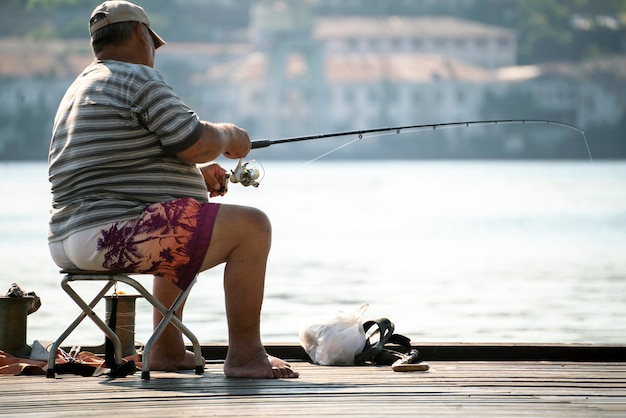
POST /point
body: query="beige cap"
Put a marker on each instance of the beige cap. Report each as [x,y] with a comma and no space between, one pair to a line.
[122,11]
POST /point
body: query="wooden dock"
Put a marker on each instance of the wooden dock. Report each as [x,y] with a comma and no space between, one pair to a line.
[451,388]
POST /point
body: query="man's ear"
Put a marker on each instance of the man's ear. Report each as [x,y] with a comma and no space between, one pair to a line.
[140,33]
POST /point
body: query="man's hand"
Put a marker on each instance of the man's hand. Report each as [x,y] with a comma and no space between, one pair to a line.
[215,179]
[237,140]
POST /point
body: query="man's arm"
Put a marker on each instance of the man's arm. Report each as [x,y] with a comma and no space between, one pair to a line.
[217,139]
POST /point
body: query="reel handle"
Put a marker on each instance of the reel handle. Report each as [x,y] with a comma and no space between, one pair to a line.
[244,174]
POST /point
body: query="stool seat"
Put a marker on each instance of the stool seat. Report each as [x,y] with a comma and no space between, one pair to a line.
[111,278]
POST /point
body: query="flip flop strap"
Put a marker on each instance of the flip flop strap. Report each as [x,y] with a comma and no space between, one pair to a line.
[385,330]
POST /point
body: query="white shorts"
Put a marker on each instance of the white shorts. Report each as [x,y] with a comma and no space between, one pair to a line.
[78,251]
[170,239]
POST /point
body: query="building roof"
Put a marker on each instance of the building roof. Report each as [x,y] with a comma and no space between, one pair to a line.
[610,66]
[24,58]
[357,67]
[394,27]
[67,58]
[400,67]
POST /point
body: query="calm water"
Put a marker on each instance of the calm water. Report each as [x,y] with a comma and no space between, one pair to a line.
[450,251]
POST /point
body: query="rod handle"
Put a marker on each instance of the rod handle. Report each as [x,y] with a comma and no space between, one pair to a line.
[261,143]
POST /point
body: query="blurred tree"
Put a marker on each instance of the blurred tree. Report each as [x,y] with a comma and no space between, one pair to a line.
[548,30]
[558,30]
[47,4]
[26,131]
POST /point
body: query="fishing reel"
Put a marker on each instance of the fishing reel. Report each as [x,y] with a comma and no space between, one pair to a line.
[248,174]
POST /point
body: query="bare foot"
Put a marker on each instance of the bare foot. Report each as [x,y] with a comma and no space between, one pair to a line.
[173,363]
[262,367]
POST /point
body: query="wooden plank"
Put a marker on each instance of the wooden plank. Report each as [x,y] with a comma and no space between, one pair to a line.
[453,351]
[566,389]
[471,352]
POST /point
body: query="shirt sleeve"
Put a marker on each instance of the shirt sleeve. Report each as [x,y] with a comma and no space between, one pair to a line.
[158,109]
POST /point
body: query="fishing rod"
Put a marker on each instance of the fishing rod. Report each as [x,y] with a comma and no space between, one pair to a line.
[263,143]
[250,175]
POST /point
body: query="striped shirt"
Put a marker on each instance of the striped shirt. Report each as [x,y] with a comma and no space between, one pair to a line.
[113,150]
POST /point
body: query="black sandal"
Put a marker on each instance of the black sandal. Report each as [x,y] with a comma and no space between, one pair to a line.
[385,350]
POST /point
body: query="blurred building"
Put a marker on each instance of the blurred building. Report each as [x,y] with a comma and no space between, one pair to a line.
[590,93]
[472,42]
[300,73]
[313,74]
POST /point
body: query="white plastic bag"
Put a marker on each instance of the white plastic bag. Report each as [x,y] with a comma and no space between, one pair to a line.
[334,340]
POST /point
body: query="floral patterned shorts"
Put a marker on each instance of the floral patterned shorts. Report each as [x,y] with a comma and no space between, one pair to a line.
[170,239]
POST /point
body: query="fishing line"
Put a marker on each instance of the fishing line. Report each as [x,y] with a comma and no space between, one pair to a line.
[359,138]
[250,174]
[334,149]
[263,143]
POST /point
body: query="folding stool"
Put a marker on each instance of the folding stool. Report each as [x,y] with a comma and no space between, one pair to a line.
[111,279]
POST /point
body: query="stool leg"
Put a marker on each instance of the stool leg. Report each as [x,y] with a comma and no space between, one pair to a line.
[95,318]
[197,351]
[86,309]
[57,343]
[169,316]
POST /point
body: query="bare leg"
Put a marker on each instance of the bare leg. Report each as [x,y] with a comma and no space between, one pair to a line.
[242,239]
[168,352]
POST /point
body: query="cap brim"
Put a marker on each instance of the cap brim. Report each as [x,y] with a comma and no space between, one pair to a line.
[158,41]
